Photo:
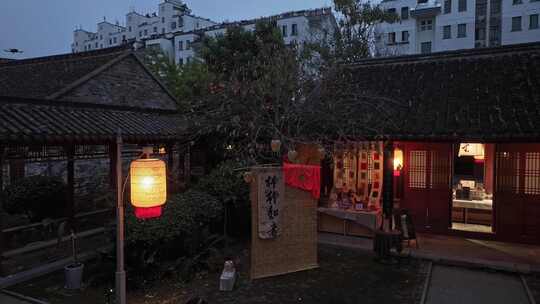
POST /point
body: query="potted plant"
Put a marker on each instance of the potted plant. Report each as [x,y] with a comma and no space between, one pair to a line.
[74,271]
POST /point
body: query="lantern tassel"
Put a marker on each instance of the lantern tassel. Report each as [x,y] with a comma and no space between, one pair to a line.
[147,213]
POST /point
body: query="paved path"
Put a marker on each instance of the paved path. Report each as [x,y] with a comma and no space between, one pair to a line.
[5,299]
[460,285]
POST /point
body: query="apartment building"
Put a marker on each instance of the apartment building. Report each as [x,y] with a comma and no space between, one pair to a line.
[174,30]
[426,26]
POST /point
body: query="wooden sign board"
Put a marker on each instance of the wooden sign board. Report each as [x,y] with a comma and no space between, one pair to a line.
[294,248]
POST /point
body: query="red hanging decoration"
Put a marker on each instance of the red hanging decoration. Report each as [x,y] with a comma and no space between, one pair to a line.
[303,177]
[147,213]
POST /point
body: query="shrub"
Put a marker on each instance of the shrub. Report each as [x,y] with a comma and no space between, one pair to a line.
[225,182]
[38,197]
[173,242]
[183,214]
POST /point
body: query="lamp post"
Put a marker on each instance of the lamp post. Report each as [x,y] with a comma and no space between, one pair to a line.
[120,277]
[148,194]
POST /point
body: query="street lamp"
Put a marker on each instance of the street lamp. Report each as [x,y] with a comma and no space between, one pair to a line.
[148,194]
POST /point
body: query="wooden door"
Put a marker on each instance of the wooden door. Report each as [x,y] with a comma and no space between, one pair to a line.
[517,192]
[427,190]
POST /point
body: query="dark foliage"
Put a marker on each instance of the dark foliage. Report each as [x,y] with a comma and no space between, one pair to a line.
[38,197]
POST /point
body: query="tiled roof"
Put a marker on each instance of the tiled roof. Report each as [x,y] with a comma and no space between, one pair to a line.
[24,121]
[44,76]
[481,94]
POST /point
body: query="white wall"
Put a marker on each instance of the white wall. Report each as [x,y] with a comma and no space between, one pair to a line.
[524,10]
[182,56]
[453,19]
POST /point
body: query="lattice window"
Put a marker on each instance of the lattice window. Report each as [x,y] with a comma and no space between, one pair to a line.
[417,169]
[508,171]
[440,176]
[532,173]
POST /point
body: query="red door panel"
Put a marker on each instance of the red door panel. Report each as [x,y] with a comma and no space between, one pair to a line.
[517,196]
[427,185]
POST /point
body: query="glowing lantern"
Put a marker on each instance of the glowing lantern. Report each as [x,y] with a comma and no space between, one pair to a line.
[148,187]
[398,161]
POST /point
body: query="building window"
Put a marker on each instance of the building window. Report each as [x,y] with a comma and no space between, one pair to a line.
[129,29]
[110,41]
[514,2]
[425,47]
[462,30]
[294,30]
[188,46]
[426,25]
[101,46]
[462,5]
[405,36]
[516,24]
[180,45]
[155,29]
[447,6]
[162,19]
[123,37]
[140,33]
[181,61]
[391,38]
[188,60]
[284,30]
[163,30]
[173,25]
[480,34]
[100,37]
[533,21]
[405,13]
[96,45]
[447,32]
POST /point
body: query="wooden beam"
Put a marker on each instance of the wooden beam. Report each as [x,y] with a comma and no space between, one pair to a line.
[112,166]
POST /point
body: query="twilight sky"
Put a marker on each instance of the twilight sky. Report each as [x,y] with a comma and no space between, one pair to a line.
[45,27]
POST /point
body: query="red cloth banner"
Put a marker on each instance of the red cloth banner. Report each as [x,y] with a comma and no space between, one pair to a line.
[303,177]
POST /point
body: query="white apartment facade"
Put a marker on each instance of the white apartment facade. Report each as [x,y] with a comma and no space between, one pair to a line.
[296,28]
[426,26]
[173,16]
[174,30]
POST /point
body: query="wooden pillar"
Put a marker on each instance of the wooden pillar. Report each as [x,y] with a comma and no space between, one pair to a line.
[388,179]
[169,148]
[70,153]
[2,157]
[1,223]
[112,166]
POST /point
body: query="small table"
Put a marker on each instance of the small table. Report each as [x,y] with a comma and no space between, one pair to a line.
[384,242]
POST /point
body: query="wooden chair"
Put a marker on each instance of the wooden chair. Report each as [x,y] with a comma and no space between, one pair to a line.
[407,228]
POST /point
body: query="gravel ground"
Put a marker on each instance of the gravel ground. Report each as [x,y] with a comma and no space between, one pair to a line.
[345,276]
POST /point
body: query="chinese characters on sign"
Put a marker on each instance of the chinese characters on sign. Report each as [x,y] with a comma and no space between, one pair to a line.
[270,194]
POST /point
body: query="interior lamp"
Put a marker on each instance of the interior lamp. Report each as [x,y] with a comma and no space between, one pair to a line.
[398,161]
[148,187]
